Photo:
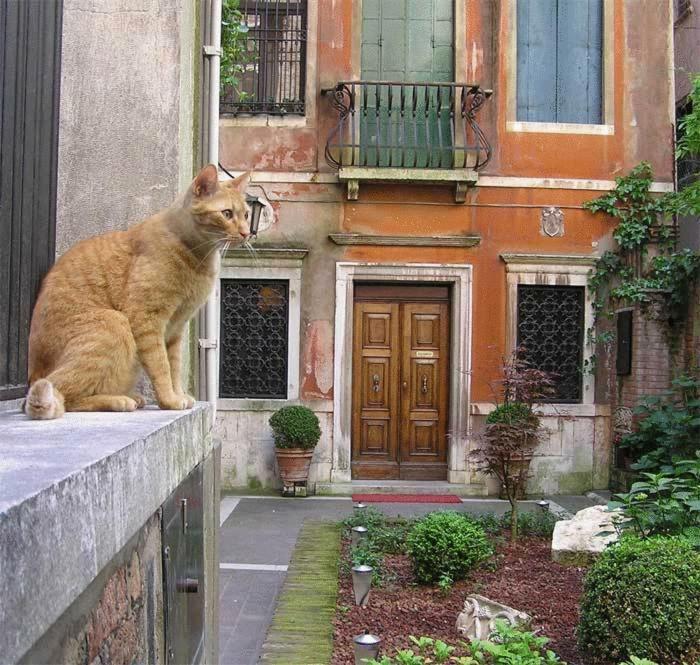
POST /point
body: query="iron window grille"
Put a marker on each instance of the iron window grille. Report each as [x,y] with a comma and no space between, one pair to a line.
[551,332]
[274,74]
[254,339]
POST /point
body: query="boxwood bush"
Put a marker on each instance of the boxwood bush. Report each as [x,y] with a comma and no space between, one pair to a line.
[446,544]
[642,597]
[295,427]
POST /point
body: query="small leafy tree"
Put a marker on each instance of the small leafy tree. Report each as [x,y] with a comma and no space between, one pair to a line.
[513,429]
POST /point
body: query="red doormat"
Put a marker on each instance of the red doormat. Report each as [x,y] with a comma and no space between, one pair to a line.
[406,498]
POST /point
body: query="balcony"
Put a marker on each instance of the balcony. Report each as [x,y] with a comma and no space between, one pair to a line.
[412,132]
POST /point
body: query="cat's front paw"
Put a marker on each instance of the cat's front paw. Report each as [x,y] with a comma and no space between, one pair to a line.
[189,400]
[176,403]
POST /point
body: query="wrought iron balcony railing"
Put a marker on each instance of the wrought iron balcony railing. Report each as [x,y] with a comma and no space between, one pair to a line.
[385,124]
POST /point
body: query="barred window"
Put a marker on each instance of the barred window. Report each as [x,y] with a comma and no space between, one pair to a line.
[551,331]
[274,68]
[254,340]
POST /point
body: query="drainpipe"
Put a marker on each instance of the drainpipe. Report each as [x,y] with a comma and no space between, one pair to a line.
[208,321]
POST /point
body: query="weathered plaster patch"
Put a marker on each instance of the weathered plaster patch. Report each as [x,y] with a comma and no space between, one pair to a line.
[318,360]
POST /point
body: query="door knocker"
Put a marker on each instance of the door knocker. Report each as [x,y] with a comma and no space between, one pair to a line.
[424,385]
[375,383]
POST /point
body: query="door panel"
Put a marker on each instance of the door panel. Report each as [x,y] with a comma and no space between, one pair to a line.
[423,449]
[400,390]
[375,390]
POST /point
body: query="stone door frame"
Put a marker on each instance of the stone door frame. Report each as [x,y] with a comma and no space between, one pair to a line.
[460,277]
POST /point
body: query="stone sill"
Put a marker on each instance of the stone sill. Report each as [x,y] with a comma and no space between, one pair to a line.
[551,410]
[73,492]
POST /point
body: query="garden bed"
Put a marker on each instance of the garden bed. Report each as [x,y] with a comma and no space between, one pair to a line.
[521,575]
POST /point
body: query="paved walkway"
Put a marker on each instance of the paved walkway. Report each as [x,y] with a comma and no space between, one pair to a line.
[258,535]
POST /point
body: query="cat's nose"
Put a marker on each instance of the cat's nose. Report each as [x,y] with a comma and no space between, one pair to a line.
[244,234]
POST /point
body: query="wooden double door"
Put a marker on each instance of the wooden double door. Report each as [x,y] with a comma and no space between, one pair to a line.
[400,382]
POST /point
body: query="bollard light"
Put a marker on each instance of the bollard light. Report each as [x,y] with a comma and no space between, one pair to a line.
[359,508]
[366,647]
[361,584]
[358,533]
[543,505]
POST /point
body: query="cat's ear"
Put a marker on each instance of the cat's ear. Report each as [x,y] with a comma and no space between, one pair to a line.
[241,182]
[206,181]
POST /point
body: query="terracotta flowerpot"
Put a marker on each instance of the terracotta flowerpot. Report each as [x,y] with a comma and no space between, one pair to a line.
[293,464]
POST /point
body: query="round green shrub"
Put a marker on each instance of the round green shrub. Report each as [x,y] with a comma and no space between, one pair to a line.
[641,597]
[446,544]
[295,427]
[511,413]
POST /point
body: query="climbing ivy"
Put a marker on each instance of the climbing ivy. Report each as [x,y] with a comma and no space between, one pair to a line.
[644,219]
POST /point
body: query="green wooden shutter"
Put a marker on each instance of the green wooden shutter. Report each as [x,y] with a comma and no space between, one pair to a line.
[413,41]
[559,61]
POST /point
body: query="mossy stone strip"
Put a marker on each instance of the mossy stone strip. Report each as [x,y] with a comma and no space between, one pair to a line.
[301,632]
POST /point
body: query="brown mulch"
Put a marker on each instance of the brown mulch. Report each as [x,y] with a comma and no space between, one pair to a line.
[525,578]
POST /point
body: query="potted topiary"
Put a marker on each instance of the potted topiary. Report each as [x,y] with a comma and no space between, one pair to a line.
[296,432]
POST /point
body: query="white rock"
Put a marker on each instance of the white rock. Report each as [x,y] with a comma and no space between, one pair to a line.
[578,541]
[478,618]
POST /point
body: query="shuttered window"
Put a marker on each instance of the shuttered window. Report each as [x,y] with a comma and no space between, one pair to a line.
[559,61]
[408,40]
[30,47]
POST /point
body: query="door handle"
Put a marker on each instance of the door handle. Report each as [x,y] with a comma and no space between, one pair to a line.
[375,383]
[424,384]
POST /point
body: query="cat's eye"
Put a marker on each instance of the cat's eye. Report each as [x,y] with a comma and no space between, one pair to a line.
[227,213]
[246,214]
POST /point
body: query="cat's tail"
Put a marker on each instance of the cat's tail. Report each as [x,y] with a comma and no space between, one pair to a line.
[44,402]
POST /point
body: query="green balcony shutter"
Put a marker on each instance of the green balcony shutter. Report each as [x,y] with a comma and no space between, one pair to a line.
[406,40]
[559,61]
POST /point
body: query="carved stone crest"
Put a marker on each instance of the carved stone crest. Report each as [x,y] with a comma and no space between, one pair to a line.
[552,222]
[478,618]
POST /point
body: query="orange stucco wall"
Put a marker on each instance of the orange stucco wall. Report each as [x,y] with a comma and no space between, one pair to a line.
[506,218]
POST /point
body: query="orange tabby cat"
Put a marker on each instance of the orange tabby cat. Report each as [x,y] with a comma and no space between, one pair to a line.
[119,301]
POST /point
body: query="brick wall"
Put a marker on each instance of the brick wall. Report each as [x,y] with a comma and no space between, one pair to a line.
[118,619]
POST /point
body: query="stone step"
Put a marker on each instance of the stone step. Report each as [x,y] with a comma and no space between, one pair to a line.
[400,487]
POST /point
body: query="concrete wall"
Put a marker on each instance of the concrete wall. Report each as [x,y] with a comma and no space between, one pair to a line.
[80,534]
[127,112]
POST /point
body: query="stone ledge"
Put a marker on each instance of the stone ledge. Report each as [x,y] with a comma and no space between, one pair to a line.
[405,240]
[73,492]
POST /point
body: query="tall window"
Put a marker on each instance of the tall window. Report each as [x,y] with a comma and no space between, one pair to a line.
[559,61]
[273,76]
[551,330]
[254,340]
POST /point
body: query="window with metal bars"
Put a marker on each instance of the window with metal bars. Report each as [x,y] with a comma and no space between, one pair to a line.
[551,333]
[254,339]
[274,72]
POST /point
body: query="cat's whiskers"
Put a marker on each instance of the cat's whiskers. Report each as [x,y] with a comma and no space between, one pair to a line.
[210,252]
[252,251]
